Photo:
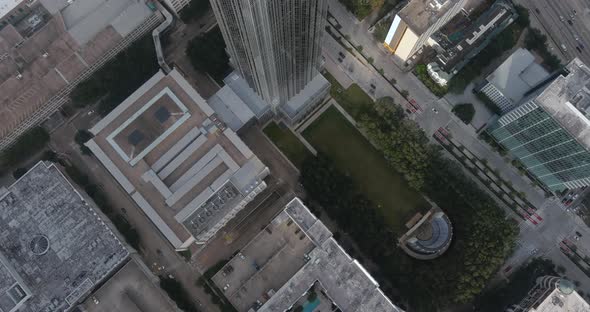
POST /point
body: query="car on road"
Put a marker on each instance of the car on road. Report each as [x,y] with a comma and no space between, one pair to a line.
[563,47]
[579,50]
[435,110]
[561,18]
[576,37]
[569,202]
[570,22]
[578,233]
[373,86]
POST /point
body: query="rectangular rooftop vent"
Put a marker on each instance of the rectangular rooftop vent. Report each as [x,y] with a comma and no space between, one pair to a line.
[135,137]
[162,114]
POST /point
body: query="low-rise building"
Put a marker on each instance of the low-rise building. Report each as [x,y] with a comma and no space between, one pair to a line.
[295,263]
[551,294]
[454,54]
[55,248]
[509,83]
[178,161]
[416,22]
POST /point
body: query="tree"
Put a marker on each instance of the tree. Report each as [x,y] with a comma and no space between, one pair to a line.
[207,54]
[29,144]
[465,112]
[120,77]
[194,10]
[83,136]
[19,172]
[362,8]
[178,294]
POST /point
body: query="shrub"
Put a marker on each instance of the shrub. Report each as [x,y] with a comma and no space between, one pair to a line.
[19,172]
[422,74]
[29,144]
[464,111]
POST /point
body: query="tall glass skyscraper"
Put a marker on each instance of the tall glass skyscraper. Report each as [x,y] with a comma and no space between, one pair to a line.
[550,131]
[273,44]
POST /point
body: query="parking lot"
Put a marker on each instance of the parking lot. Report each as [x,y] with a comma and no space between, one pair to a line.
[567,23]
[265,264]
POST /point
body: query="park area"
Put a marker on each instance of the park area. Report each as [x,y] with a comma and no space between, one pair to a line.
[333,135]
[352,154]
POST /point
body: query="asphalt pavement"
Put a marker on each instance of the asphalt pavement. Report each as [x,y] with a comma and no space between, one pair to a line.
[567,22]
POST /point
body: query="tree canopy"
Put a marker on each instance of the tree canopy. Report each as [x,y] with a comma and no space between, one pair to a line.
[120,77]
[207,53]
[362,8]
[465,112]
[482,238]
[194,10]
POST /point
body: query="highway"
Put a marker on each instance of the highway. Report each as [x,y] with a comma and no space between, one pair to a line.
[555,17]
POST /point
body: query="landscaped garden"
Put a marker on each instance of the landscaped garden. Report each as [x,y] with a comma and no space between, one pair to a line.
[354,100]
[287,142]
[371,183]
[334,136]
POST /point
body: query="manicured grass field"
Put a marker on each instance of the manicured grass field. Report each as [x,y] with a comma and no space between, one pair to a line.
[333,135]
[354,100]
[287,142]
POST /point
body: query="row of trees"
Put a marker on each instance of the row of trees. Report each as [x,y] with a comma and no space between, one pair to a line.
[120,77]
[29,144]
[362,8]
[482,237]
[402,143]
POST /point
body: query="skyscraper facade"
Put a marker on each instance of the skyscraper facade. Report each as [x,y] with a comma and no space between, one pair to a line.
[550,131]
[273,44]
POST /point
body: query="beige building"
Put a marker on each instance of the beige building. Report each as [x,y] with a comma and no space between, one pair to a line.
[187,171]
[414,25]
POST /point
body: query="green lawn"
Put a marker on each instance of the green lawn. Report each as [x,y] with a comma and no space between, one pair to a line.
[333,135]
[287,142]
[354,100]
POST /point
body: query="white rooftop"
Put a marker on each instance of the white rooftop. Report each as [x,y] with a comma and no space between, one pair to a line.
[560,302]
[8,5]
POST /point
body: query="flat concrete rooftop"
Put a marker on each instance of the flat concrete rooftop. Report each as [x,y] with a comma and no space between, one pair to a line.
[419,15]
[291,255]
[53,46]
[178,161]
[567,100]
[132,289]
[560,302]
[54,247]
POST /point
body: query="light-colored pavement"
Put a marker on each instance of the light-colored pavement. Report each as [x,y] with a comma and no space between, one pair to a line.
[557,223]
[553,17]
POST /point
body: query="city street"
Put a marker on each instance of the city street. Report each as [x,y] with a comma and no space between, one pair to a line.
[534,240]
